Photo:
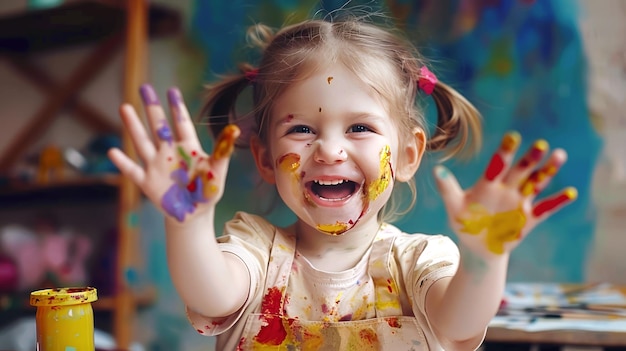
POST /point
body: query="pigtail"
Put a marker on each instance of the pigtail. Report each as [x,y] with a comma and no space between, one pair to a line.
[219,108]
[459,124]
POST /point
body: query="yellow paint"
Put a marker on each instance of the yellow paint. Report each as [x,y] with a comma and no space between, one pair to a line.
[510,141]
[289,162]
[499,228]
[225,143]
[334,229]
[209,190]
[529,187]
[378,186]
[64,318]
[571,192]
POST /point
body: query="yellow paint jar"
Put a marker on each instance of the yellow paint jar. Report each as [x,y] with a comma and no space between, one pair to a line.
[64,318]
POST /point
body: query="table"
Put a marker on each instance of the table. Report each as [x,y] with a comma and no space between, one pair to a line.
[610,340]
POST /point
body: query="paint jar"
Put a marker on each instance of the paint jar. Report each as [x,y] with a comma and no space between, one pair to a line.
[64,318]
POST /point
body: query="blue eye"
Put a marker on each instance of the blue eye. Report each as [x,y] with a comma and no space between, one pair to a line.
[358,128]
[300,129]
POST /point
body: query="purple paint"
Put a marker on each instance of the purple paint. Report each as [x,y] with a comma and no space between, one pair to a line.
[165,133]
[179,200]
[148,95]
[175,99]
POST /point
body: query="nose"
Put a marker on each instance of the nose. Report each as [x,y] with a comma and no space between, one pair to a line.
[328,152]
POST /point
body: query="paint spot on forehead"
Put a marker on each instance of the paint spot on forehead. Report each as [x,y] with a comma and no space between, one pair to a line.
[329,79]
[320,110]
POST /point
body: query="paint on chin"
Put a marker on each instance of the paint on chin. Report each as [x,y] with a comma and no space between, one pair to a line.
[370,193]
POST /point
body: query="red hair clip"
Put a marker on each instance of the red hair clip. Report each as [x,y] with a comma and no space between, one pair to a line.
[427,80]
[251,74]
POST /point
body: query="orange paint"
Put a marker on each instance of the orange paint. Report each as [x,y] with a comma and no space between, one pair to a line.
[334,229]
[510,142]
[329,79]
[225,143]
[531,185]
[289,162]
[569,194]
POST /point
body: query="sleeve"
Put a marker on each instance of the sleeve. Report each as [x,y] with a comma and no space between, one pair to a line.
[248,237]
[438,258]
[425,259]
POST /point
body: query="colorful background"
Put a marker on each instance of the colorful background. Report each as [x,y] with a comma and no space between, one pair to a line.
[522,63]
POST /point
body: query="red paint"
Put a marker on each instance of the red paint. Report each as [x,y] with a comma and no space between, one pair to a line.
[210,175]
[550,204]
[393,322]
[194,153]
[289,118]
[496,165]
[325,309]
[273,332]
[169,159]
[200,331]
[191,186]
[240,345]
[271,301]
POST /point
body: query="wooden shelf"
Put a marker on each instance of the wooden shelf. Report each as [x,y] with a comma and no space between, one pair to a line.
[74,190]
[76,23]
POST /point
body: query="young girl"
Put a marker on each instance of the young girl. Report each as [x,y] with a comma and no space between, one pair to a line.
[336,128]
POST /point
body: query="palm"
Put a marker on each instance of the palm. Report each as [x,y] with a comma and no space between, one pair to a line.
[497,213]
[177,175]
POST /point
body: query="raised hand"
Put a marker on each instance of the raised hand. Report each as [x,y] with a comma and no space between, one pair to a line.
[176,175]
[494,215]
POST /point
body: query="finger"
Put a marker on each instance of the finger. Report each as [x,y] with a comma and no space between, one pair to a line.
[550,205]
[526,164]
[503,157]
[137,132]
[540,178]
[127,166]
[185,129]
[157,119]
[449,188]
[219,160]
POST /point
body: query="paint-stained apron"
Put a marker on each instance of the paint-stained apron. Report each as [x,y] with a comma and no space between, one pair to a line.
[389,330]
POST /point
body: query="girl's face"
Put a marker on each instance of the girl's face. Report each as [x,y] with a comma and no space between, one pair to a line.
[332,151]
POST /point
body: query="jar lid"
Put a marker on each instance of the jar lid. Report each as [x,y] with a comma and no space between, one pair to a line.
[63,296]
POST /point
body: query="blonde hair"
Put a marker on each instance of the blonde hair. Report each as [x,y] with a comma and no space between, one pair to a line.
[381,57]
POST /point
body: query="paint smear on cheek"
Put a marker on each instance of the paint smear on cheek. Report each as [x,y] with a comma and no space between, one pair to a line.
[289,163]
[500,228]
[378,186]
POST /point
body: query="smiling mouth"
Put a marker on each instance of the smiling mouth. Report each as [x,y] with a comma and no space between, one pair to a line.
[333,190]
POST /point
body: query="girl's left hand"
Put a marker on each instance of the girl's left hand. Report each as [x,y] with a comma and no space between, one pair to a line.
[494,216]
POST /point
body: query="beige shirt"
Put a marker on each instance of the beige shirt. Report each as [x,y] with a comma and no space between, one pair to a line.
[418,261]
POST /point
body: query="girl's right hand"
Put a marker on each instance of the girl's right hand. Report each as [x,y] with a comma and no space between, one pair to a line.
[177,175]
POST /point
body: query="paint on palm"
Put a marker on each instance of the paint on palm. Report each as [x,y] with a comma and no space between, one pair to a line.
[191,185]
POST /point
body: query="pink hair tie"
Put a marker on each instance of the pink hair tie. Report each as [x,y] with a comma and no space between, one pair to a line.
[251,74]
[427,80]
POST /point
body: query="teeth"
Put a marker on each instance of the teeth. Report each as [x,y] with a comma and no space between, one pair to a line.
[330,182]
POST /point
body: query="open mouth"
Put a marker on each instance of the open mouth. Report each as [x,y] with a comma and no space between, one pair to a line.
[333,190]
